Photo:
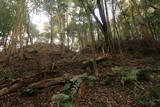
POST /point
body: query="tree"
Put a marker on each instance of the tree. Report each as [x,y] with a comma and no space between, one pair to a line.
[7,20]
[103,22]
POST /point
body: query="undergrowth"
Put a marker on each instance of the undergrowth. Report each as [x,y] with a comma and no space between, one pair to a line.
[68,100]
[132,75]
[148,98]
[5,74]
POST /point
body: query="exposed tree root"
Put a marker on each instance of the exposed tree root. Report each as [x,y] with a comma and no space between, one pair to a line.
[81,93]
[32,82]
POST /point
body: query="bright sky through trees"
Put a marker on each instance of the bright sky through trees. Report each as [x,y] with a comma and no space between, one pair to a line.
[41,18]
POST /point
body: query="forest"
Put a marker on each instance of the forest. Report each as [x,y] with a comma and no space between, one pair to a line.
[79,53]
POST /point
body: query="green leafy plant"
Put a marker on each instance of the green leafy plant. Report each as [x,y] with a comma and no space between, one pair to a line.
[68,105]
[150,98]
[5,74]
[116,68]
[90,80]
[77,81]
[8,72]
[130,75]
[145,99]
[61,97]
[127,75]
[62,100]
[30,92]
[73,86]
[67,86]
[156,95]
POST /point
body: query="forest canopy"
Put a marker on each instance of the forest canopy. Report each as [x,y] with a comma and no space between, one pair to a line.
[70,22]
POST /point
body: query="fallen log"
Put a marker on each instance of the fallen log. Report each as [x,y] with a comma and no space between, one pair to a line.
[89,63]
[11,88]
[17,84]
[39,76]
[48,82]
[53,81]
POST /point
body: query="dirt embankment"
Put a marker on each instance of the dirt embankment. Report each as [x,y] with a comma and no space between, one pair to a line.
[48,68]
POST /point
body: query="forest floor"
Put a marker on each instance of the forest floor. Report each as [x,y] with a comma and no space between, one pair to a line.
[30,82]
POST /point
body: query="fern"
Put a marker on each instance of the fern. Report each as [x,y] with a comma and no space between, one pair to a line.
[68,105]
[130,75]
[67,86]
[90,80]
[73,86]
[60,99]
[77,82]
[116,68]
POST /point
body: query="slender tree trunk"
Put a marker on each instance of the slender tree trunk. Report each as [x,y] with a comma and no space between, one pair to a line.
[147,36]
[102,22]
[51,23]
[111,43]
[93,46]
[28,31]
[115,28]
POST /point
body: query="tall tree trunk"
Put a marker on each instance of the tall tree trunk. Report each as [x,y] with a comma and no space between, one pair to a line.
[51,23]
[93,46]
[110,38]
[28,30]
[102,22]
[115,28]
